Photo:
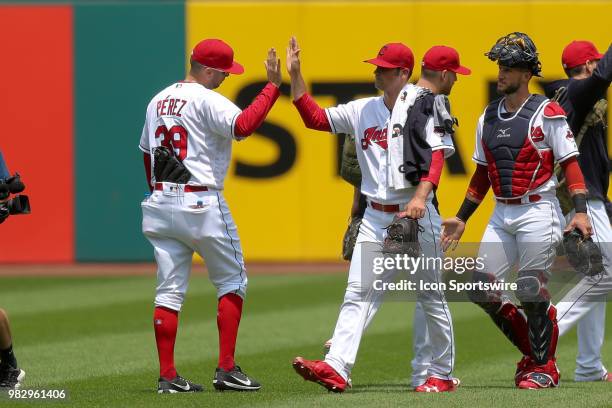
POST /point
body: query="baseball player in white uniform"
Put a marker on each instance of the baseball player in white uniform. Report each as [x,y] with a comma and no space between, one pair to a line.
[518,139]
[199,125]
[439,67]
[370,120]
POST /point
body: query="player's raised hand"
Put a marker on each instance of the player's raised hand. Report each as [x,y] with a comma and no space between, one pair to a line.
[293,56]
[452,230]
[582,222]
[273,68]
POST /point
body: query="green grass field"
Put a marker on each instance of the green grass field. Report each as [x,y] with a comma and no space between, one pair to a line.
[93,337]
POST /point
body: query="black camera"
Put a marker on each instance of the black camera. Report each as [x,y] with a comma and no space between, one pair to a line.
[19,204]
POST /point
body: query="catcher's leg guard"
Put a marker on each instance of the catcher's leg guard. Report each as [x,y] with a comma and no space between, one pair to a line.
[514,326]
[541,316]
[543,330]
[505,315]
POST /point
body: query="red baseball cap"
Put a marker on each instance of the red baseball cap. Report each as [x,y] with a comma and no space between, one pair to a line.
[394,55]
[578,53]
[216,54]
[440,58]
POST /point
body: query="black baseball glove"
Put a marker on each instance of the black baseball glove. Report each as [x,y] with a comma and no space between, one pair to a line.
[582,253]
[166,167]
[403,237]
[350,238]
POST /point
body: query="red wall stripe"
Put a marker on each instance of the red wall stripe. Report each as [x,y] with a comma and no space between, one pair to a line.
[36,136]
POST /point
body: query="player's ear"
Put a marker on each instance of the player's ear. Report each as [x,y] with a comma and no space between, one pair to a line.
[527,75]
[590,66]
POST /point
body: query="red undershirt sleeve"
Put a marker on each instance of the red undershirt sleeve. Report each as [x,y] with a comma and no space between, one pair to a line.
[573,174]
[480,183]
[435,169]
[312,114]
[253,116]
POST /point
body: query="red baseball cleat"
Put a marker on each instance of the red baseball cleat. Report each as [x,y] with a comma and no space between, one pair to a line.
[434,384]
[544,376]
[320,372]
[456,382]
[523,368]
[607,377]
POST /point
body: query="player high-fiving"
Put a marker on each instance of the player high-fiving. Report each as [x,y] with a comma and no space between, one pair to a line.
[187,141]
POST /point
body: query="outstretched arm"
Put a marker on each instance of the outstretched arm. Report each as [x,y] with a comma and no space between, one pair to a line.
[452,228]
[312,114]
[298,86]
[253,116]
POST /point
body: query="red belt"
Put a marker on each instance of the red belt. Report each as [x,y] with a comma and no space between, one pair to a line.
[388,208]
[188,188]
[534,198]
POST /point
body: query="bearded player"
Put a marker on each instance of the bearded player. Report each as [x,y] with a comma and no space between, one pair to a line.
[518,139]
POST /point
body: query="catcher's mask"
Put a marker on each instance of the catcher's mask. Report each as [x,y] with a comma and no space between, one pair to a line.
[516,50]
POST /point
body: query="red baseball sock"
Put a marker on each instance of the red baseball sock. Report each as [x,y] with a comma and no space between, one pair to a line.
[165,322]
[228,320]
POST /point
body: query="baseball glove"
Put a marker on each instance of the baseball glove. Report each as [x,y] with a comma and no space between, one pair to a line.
[166,167]
[583,254]
[403,237]
[349,169]
[350,238]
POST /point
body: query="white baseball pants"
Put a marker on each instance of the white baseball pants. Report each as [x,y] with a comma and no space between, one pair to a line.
[178,224]
[527,233]
[585,304]
[361,302]
[421,349]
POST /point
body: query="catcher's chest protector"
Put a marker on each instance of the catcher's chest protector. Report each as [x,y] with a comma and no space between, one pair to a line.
[515,165]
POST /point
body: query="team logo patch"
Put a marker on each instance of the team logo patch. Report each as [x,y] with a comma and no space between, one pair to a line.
[541,380]
[397,130]
[503,132]
[569,135]
[374,135]
[537,135]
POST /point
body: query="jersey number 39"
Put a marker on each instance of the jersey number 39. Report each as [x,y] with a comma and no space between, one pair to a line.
[174,139]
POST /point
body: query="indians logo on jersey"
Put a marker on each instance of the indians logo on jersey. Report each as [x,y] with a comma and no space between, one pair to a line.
[537,135]
[374,135]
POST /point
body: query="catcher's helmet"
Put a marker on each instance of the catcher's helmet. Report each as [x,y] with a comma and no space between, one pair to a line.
[516,50]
